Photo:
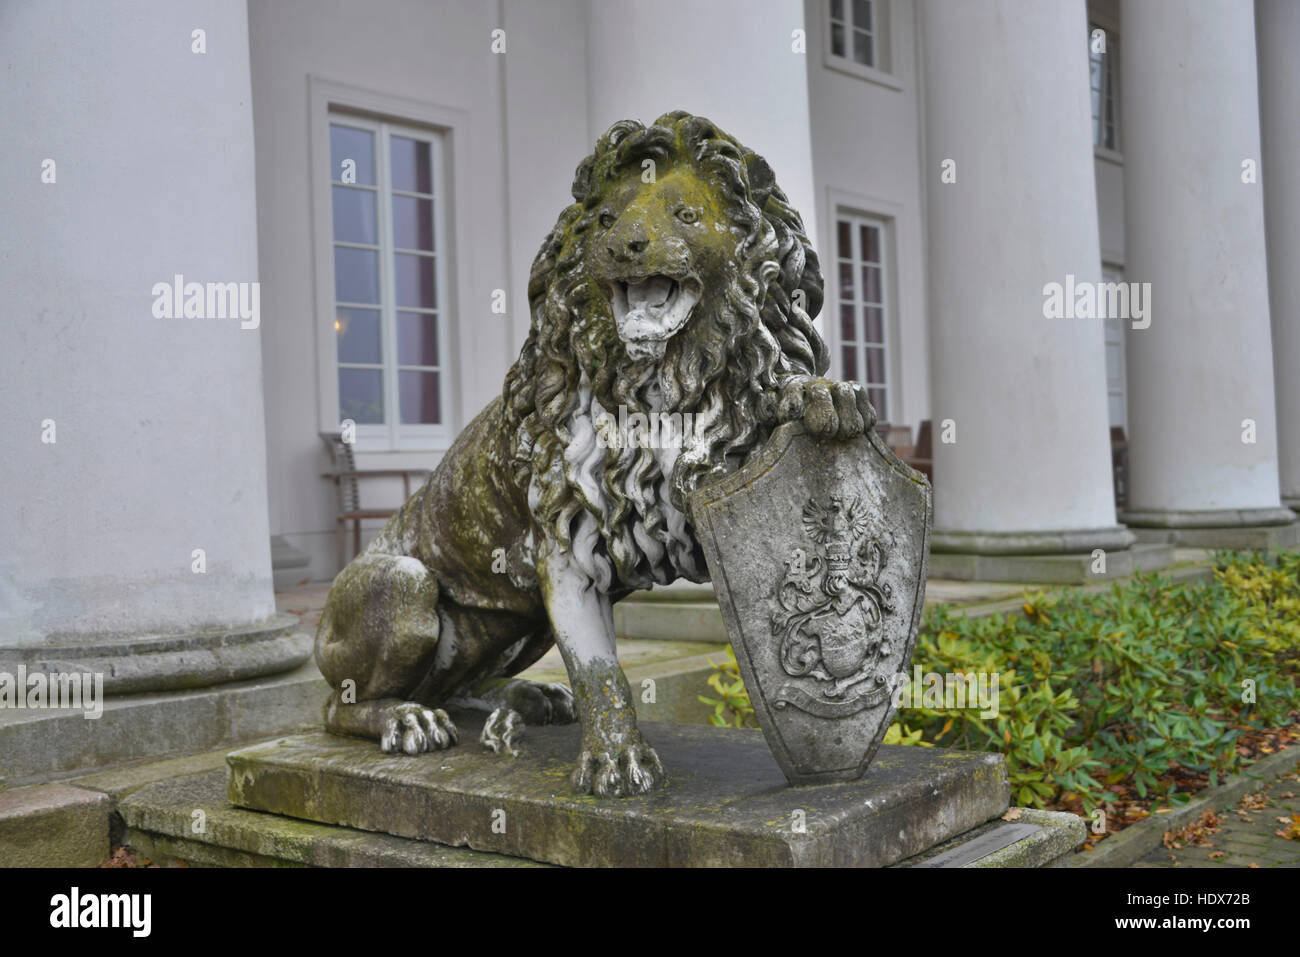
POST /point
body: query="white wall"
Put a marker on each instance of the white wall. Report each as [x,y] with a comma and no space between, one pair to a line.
[159,424]
[866,153]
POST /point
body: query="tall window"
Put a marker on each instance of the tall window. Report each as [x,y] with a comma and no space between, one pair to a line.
[1103,56]
[860,253]
[854,31]
[389,281]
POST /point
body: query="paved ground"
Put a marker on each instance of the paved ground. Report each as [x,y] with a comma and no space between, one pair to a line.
[1242,835]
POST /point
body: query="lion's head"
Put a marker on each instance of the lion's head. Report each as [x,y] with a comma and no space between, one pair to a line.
[680,281]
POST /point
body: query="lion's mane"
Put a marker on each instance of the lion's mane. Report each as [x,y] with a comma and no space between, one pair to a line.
[725,367]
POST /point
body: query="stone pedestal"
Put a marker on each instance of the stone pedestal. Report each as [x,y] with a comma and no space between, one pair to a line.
[726,802]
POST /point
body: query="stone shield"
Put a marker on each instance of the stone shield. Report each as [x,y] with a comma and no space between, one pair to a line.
[818,551]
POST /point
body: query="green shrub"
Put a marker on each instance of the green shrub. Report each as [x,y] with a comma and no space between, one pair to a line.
[1112,689]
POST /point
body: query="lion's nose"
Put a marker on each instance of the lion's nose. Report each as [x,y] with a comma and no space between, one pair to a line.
[625,248]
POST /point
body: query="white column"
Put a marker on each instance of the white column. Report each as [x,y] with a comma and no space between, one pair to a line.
[130,441]
[1203,438]
[729,60]
[1277,36]
[1007,113]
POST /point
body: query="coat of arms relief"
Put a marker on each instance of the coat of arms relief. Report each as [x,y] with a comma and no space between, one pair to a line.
[831,609]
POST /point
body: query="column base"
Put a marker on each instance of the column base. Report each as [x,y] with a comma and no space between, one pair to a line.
[134,663]
[1257,528]
[1075,568]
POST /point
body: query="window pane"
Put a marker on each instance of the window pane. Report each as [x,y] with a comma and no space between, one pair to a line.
[837,39]
[848,328]
[871,284]
[361,396]
[844,235]
[417,339]
[357,331]
[850,356]
[870,244]
[354,215]
[862,51]
[862,14]
[875,324]
[837,9]
[356,275]
[875,365]
[412,223]
[415,282]
[412,165]
[358,146]
[877,399]
[419,398]
[846,281]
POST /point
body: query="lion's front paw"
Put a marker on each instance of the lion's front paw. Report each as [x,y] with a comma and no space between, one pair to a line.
[413,729]
[618,770]
[827,408]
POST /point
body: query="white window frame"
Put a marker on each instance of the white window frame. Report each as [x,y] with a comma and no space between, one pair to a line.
[857,219]
[1112,84]
[393,433]
[447,128]
[883,45]
[1115,335]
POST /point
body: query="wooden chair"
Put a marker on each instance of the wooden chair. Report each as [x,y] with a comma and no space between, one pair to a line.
[922,457]
[347,492]
[899,440]
[1119,464]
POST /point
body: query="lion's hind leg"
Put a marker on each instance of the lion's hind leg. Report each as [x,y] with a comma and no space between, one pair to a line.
[376,645]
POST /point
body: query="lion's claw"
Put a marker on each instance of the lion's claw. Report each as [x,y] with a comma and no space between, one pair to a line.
[620,771]
[828,409]
[414,729]
[503,728]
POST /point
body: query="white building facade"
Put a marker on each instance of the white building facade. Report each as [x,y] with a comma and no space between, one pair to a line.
[385,172]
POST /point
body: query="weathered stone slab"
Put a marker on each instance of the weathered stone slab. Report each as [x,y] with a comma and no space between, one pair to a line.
[726,802]
[53,826]
[1033,839]
[1064,569]
[161,825]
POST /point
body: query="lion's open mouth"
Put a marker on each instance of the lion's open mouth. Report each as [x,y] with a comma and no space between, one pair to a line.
[650,309]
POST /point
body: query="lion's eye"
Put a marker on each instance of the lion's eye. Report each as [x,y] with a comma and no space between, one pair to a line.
[687,215]
[606,220]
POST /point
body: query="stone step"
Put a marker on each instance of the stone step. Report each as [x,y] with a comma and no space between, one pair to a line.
[44,744]
[162,824]
[1024,837]
[726,802]
[53,825]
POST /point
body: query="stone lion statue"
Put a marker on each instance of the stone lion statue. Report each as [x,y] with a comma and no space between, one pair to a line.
[683,286]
